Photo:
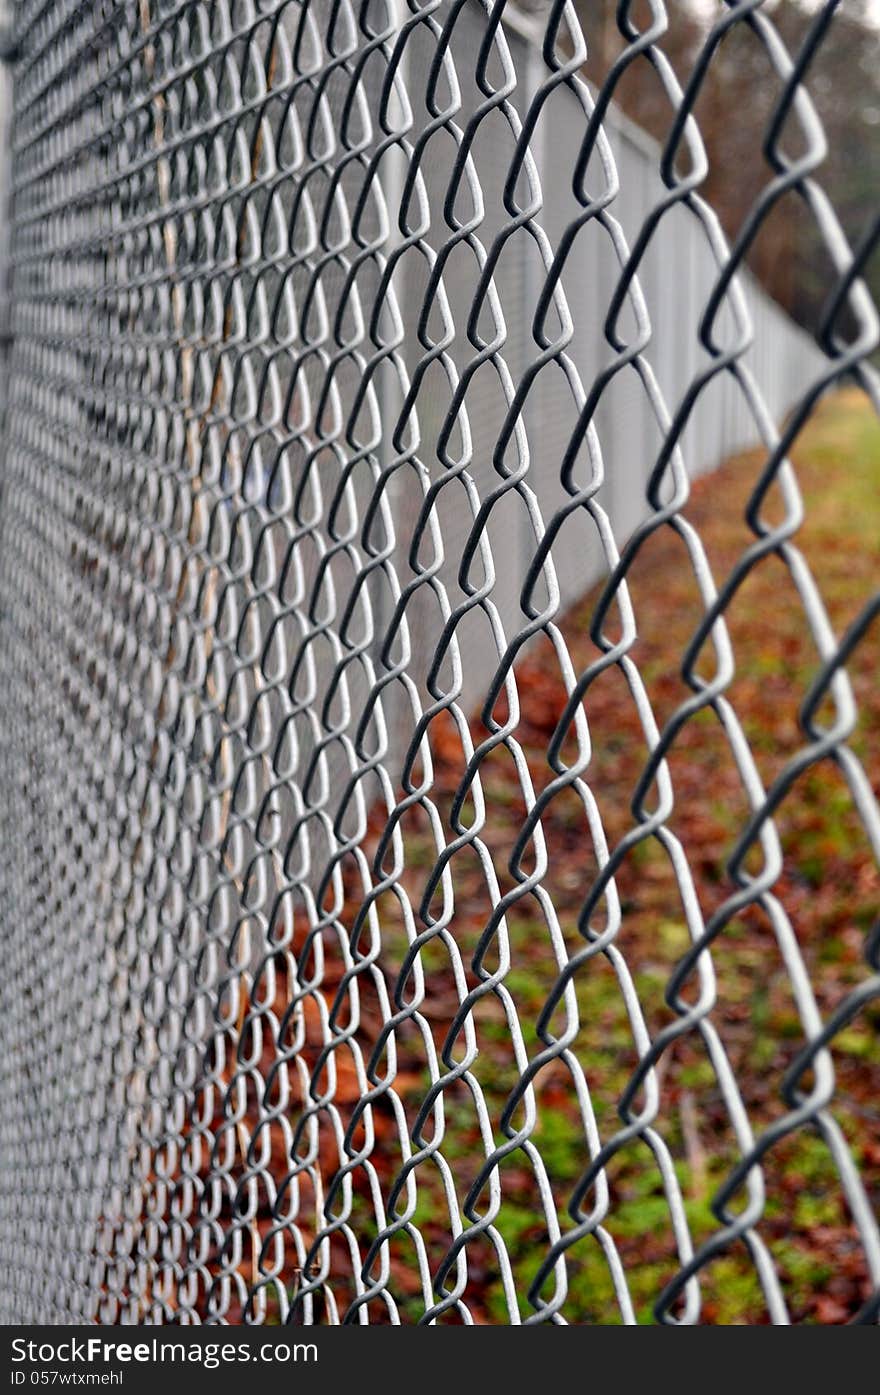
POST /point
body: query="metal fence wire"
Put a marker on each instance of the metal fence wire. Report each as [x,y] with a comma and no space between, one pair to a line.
[362,358]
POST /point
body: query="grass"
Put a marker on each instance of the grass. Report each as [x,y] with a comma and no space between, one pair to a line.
[828,887]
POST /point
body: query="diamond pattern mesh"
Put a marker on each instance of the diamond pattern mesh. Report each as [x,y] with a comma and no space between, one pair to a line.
[353,346]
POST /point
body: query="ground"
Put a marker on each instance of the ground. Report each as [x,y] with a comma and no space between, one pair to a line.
[829,890]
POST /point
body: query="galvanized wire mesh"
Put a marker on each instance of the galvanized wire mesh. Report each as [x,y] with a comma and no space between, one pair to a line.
[350,343]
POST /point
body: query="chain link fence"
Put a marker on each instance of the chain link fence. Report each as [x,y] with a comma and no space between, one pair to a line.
[362,361]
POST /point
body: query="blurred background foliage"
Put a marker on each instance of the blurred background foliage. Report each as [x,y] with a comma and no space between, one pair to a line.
[739,93]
